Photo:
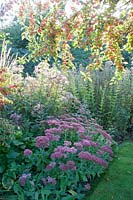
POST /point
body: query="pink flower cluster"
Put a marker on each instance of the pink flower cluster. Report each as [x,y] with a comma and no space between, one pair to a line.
[83,140]
[80,125]
[89,143]
[65,149]
[53,130]
[27,152]
[88,156]
[15,118]
[66,124]
[107,149]
[70,165]
[73,138]
[50,166]
[57,155]
[87,186]
[61,151]
[104,133]
[42,141]
[79,145]
[23,178]
[67,143]
[52,137]
[48,180]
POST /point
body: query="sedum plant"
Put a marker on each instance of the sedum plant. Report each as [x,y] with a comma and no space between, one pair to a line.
[61,163]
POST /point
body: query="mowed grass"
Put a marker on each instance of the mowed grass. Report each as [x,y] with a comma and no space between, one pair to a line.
[117,182]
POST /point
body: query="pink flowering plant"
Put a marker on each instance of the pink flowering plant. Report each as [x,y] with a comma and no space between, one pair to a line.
[40,95]
[64,160]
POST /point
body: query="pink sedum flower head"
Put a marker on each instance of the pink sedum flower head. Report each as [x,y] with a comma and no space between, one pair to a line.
[57,155]
[51,180]
[89,143]
[42,141]
[107,149]
[27,152]
[67,143]
[53,130]
[81,129]
[50,166]
[79,145]
[70,165]
[105,134]
[52,137]
[71,150]
[88,156]
[23,178]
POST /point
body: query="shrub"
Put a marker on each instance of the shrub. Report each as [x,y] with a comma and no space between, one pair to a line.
[18,46]
[43,94]
[62,161]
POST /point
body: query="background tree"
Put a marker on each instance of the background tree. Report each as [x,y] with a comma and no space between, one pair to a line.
[105,27]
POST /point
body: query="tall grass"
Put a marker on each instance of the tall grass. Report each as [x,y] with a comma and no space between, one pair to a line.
[109,101]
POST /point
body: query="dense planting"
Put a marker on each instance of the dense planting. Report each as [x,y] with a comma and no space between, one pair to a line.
[54,148]
[58,164]
[59,123]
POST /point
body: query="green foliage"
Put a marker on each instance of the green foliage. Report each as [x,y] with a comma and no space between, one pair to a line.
[14,32]
[27,164]
[108,99]
[81,57]
[6,130]
[51,32]
[51,116]
[2,37]
[17,46]
[8,153]
[40,99]
[42,94]
[115,99]
[128,57]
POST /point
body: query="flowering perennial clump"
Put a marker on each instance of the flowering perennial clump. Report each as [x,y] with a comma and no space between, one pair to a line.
[71,149]
[47,82]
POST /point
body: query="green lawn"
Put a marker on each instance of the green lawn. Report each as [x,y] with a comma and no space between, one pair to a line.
[117,182]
